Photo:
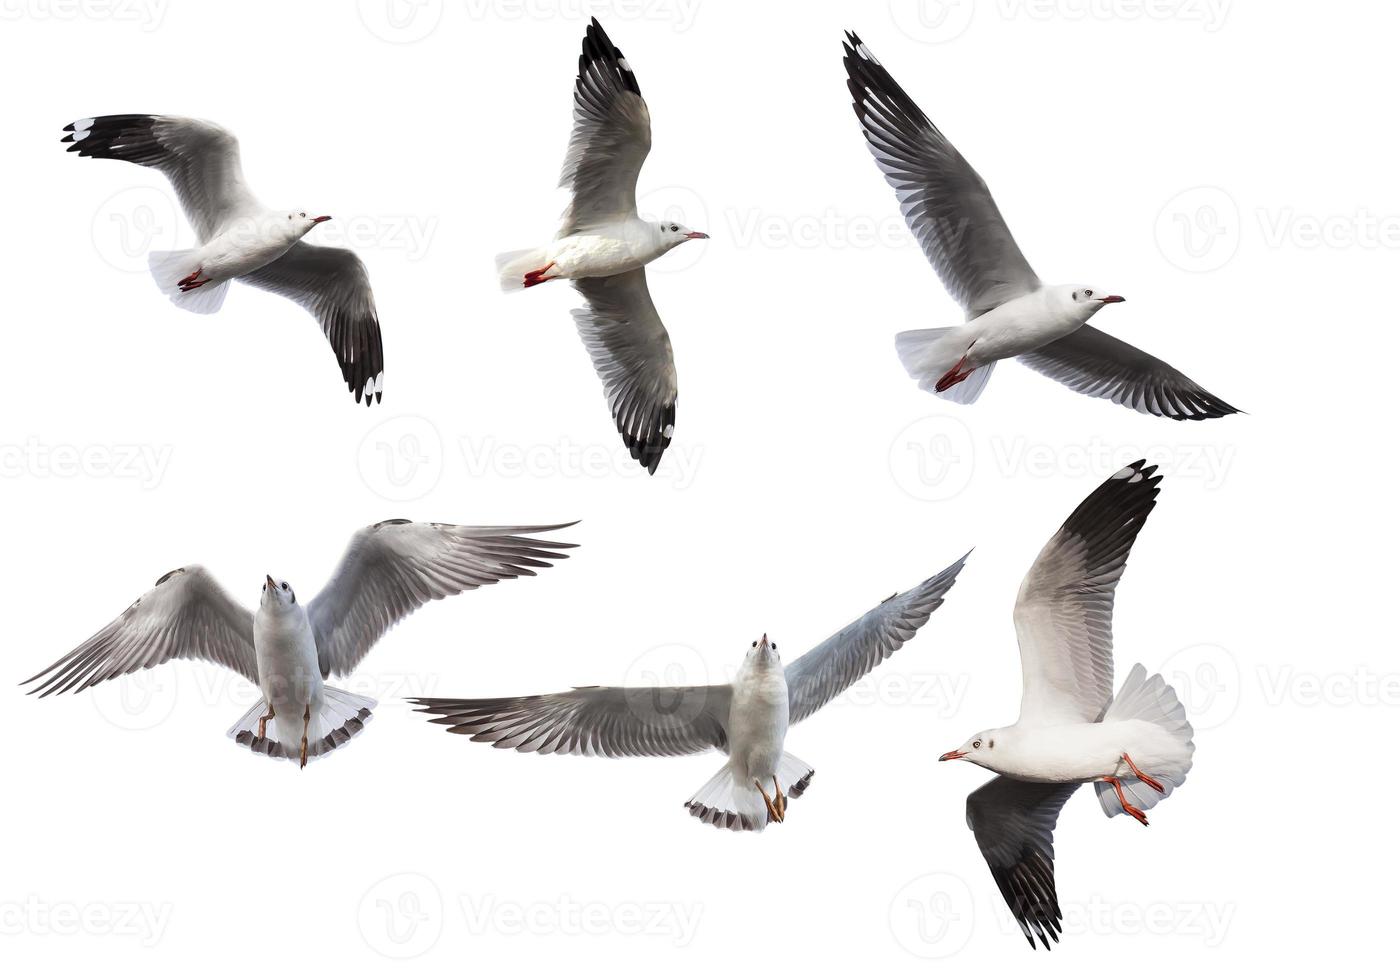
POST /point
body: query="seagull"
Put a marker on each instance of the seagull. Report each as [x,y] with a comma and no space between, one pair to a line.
[239,238]
[1009,311]
[287,648]
[603,246]
[747,720]
[1135,748]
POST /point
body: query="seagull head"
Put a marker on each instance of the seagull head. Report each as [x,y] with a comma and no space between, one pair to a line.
[1088,300]
[277,594]
[764,652]
[978,749]
[673,233]
[301,222]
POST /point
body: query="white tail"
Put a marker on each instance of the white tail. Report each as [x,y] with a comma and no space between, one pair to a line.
[512,266]
[728,803]
[930,354]
[1150,699]
[169,268]
[340,718]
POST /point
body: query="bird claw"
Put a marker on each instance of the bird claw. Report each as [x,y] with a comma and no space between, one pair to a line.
[777,803]
[305,730]
[263,720]
[1142,775]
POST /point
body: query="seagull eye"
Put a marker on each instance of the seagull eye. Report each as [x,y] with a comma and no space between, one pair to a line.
[773,647]
[977,744]
[284,586]
[755,644]
[1088,293]
[675,228]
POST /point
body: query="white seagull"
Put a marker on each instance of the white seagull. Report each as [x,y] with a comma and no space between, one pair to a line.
[288,648]
[747,720]
[239,238]
[1009,311]
[1135,748]
[603,246]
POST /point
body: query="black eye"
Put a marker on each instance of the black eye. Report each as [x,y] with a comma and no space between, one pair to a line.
[1088,293]
[755,643]
[284,586]
[675,228]
[774,647]
[977,744]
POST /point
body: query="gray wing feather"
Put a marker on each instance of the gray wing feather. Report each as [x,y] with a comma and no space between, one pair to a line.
[631,352]
[333,286]
[610,140]
[607,721]
[1014,824]
[393,567]
[187,615]
[839,661]
[945,202]
[1093,363]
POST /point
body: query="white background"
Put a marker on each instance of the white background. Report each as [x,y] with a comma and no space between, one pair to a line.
[1229,167]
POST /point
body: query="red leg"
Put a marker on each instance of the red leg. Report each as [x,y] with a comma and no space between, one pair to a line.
[1142,775]
[1128,808]
[190,278]
[955,376]
[194,285]
[536,276]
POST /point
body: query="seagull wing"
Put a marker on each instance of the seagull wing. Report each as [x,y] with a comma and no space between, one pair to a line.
[946,204]
[631,352]
[1064,611]
[1093,363]
[836,663]
[611,137]
[332,285]
[608,721]
[199,159]
[187,615]
[1014,823]
[393,567]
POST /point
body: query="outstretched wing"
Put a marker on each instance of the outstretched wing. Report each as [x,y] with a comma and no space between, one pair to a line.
[332,285]
[199,159]
[611,137]
[609,721]
[187,615]
[1064,610]
[1092,363]
[1014,823]
[946,204]
[826,670]
[393,567]
[631,352]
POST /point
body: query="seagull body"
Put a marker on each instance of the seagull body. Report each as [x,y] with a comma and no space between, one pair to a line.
[242,239]
[288,649]
[1009,312]
[1135,748]
[603,247]
[747,720]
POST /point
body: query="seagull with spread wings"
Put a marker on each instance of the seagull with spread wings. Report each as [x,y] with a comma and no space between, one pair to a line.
[1009,311]
[747,720]
[287,648]
[240,238]
[603,247]
[1135,748]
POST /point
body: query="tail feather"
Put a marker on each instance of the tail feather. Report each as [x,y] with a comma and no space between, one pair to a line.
[730,804]
[928,355]
[1150,699]
[340,717]
[171,269]
[512,266]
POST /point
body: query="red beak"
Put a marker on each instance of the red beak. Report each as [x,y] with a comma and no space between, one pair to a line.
[1113,299]
[950,756]
[326,217]
[697,234]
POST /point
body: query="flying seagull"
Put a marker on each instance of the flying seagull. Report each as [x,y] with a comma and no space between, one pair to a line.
[603,246]
[1010,312]
[747,720]
[1135,748]
[239,238]
[288,648]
